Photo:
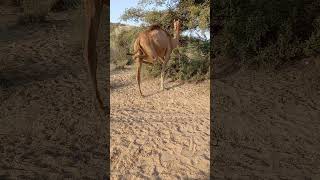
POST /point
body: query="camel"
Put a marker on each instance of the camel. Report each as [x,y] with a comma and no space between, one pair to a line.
[155,44]
[93,9]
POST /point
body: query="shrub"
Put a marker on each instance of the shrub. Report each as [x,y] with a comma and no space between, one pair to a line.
[122,39]
[190,62]
[37,10]
[265,32]
[62,5]
[312,45]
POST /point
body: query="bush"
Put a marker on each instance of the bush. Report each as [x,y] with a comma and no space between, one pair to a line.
[190,62]
[10,2]
[121,42]
[62,5]
[312,45]
[37,10]
[264,32]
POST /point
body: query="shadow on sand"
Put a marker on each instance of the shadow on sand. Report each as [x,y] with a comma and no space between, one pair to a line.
[30,73]
[171,87]
[114,86]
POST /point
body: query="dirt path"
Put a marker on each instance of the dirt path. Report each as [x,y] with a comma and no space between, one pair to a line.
[164,135]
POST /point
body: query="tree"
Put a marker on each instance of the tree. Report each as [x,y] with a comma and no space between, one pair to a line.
[195,14]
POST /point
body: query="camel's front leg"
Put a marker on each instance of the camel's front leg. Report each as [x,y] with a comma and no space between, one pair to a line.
[163,73]
[139,63]
[165,60]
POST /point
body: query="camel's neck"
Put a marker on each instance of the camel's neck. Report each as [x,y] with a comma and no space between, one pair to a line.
[175,40]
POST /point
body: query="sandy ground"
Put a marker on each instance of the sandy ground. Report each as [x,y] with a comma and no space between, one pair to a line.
[267,124]
[164,135]
[48,126]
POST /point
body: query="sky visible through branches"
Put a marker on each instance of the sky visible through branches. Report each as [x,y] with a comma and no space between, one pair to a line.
[117,8]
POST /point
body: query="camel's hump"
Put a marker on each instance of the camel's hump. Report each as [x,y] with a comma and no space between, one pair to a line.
[154,27]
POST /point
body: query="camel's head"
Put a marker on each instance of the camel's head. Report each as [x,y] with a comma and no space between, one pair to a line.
[177,25]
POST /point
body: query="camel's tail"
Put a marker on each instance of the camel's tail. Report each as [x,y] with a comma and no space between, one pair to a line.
[137,43]
[133,54]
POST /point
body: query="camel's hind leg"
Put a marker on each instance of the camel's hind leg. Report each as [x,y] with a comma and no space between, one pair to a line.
[139,64]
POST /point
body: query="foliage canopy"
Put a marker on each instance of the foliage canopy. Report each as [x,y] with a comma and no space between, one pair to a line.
[194,13]
[266,32]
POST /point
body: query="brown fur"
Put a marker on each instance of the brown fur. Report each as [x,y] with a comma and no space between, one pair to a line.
[154,27]
[157,27]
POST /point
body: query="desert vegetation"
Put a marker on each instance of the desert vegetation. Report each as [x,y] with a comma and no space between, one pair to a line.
[37,10]
[263,33]
[188,62]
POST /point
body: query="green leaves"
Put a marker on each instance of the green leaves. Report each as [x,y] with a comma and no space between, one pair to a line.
[264,31]
[194,13]
[134,14]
